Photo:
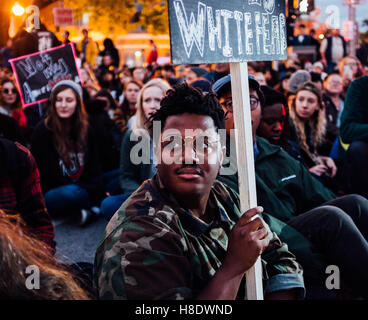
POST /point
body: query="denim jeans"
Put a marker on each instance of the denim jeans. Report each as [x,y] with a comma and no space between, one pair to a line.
[112,181]
[111,204]
[66,200]
[339,230]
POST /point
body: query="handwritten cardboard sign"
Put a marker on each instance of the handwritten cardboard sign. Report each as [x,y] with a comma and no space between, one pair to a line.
[37,73]
[212,31]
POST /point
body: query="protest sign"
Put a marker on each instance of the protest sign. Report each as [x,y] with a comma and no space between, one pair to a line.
[236,31]
[233,31]
[37,73]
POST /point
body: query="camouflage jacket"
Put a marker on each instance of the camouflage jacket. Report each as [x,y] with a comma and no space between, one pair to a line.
[155,249]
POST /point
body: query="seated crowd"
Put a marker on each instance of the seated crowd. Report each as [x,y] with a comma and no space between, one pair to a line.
[116,149]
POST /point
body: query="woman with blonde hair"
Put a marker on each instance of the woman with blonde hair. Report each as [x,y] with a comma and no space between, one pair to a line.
[29,271]
[64,147]
[308,129]
[136,164]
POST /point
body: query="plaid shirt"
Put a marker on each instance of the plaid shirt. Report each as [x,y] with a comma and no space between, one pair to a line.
[22,194]
[155,249]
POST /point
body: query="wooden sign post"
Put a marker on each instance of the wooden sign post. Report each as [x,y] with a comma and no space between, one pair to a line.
[214,31]
[245,160]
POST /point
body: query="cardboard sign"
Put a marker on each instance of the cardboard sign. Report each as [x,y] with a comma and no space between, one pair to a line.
[37,73]
[213,31]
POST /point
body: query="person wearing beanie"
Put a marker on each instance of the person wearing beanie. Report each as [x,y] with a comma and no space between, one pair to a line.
[204,85]
[66,152]
[194,74]
[297,79]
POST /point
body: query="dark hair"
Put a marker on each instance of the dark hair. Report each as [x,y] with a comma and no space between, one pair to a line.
[316,77]
[108,44]
[106,93]
[183,98]
[17,104]
[272,97]
[252,85]
[168,67]
[79,125]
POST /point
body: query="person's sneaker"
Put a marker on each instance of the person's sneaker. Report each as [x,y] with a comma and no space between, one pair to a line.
[96,210]
[86,216]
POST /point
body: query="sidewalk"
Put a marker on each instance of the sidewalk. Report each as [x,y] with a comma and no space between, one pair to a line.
[78,244]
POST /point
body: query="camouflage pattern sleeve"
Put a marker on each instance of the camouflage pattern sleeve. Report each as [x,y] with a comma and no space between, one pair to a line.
[279,259]
[144,258]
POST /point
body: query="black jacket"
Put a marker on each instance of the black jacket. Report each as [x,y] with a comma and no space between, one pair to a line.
[104,127]
[10,129]
[362,54]
[43,149]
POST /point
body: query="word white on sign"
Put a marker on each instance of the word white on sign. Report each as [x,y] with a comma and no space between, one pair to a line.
[257,33]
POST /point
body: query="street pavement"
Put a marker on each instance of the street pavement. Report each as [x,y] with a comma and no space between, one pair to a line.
[78,244]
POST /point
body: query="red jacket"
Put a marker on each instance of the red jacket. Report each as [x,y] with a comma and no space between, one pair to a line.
[20,190]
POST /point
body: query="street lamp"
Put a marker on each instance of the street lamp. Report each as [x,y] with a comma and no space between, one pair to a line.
[17,9]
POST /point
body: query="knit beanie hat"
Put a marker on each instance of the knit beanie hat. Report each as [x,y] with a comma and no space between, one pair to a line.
[73,85]
[200,72]
[297,79]
[202,84]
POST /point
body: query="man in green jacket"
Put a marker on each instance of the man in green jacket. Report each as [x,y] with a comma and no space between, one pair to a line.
[336,228]
[354,131]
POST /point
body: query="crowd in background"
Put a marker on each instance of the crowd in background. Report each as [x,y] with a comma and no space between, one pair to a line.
[80,140]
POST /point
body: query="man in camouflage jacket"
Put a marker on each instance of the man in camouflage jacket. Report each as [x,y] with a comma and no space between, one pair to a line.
[182,236]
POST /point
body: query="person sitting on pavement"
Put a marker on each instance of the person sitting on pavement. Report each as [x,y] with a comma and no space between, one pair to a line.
[308,129]
[337,228]
[274,125]
[133,174]
[66,152]
[20,190]
[182,236]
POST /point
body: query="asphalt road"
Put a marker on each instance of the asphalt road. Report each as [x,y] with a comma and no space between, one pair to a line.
[78,244]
